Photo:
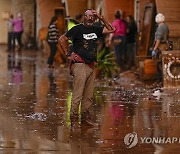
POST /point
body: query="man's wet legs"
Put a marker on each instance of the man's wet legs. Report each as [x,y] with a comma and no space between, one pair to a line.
[87,102]
[83,88]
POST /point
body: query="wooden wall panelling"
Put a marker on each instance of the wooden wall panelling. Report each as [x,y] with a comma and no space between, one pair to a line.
[126,6]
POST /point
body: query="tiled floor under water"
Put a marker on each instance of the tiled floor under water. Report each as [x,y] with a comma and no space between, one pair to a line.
[34,112]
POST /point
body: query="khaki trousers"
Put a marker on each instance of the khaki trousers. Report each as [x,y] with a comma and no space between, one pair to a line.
[83,87]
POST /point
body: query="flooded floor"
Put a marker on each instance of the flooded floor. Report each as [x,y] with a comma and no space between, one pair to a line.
[34,112]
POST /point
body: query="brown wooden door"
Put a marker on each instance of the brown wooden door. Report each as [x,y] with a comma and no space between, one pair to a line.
[146,33]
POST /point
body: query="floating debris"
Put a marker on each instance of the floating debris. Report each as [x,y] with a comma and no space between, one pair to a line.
[38,116]
[157,94]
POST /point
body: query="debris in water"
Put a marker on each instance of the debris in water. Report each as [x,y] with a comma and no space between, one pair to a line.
[38,116]
[157,94]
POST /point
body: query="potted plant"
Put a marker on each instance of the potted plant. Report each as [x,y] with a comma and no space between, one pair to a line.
[106,63]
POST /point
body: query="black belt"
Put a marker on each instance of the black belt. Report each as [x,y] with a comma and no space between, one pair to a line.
[76,62]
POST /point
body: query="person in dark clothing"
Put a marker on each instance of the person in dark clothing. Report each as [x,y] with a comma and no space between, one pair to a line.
[84,37]
[52,38]
[130,41]
[10,28]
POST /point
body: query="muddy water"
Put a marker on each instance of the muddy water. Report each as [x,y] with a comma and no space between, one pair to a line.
[34,112]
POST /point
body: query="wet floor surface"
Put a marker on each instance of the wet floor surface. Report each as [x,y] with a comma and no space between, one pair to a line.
[34,112]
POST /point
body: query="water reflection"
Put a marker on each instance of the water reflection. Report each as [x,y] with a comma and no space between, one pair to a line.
[151,119]
[156,119]
[48,106]
[117,119]
[14,65]
[35,107]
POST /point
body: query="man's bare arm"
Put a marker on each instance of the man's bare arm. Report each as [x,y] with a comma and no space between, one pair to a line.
[156,45]
[108,26]
[63,41]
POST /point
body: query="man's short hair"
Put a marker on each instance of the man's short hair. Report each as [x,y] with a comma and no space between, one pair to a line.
[87,10]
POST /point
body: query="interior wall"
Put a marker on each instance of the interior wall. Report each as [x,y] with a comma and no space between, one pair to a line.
[76,6]
[127,8]
[171,11]
[46,10]
[5,7]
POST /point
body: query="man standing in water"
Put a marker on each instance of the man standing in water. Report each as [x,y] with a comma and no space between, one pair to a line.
[82,60]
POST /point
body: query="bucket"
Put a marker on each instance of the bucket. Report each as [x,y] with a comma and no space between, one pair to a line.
[150,66]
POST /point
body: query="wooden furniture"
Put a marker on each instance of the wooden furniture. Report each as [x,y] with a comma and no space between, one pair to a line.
[145,63]
[171,69]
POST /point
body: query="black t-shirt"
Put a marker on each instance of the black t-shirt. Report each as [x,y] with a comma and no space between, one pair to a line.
[85,41]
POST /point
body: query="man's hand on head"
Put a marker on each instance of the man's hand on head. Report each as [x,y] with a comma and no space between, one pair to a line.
[97,15]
